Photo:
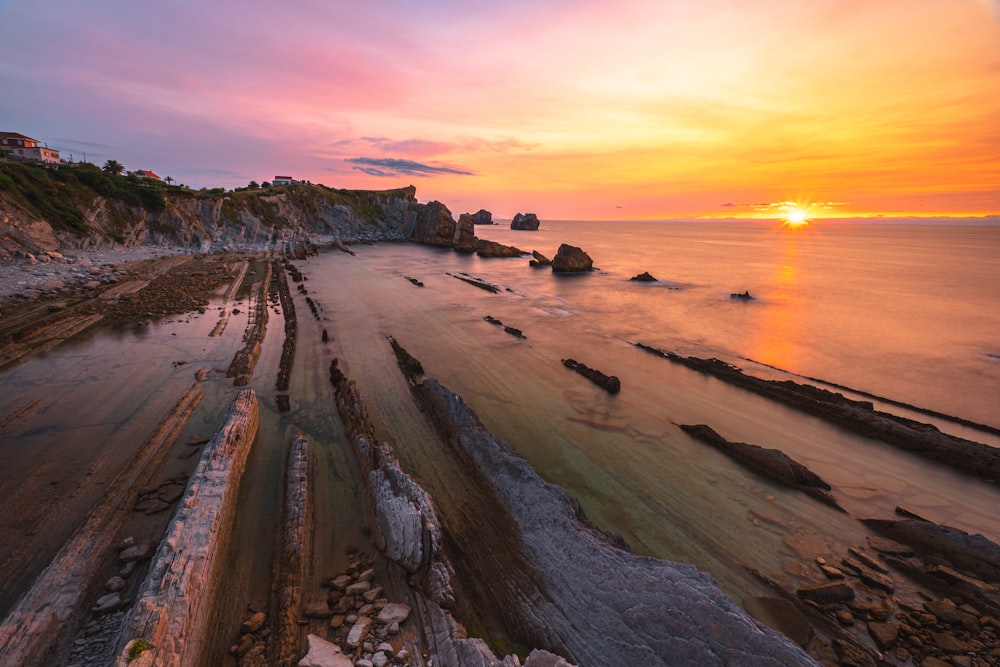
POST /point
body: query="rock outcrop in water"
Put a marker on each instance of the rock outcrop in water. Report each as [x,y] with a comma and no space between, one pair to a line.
[482,217]
[525,222]
[609,383]
[487,248]
[644,277]
[571,259]
[771,463]
[431,224]
[538,259]
[860,417]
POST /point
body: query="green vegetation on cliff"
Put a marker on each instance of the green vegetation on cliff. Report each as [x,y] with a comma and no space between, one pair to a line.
[61,195]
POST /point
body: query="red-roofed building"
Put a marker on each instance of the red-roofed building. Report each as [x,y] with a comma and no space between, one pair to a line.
[283,180]
[25,148]
[145,173]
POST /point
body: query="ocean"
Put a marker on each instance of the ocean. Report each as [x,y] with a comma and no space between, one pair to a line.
[907,311]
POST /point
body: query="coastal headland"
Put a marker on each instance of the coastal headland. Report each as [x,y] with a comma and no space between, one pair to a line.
[282,473]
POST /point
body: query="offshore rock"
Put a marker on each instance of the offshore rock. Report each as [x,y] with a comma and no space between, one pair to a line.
[525,222]
[609,383]
[482,217]
[493,249]
[644,277]
[538,259]
[571,259]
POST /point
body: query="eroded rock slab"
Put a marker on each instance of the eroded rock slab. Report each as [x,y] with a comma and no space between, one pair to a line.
[176,597]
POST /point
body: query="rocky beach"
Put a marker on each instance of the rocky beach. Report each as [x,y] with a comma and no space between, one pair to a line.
[239,433]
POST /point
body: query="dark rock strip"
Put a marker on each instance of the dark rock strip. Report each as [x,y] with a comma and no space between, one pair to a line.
[481,284]
[609,383]
[485,248]
[771,463]
[857,416]
[594,602]
[313,307]
[414,281]
[516,333]
[245,359]
[33,630]
[288,346]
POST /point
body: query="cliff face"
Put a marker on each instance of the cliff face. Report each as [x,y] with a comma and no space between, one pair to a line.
[199,221]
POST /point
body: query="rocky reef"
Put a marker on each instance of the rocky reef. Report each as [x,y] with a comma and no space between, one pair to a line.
[487,248]
[482,217]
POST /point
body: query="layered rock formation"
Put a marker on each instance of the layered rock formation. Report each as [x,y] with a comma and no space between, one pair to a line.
[207,222]
[583,596]
[571,259]
[525,222]
[175,600]
[538,259]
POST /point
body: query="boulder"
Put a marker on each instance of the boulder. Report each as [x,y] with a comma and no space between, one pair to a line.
[644,277]
[571,259]
[359,631]
[394,612]
[493,249]
[324,654]
[525,222]
[482,217]
[741,296]
[538,259]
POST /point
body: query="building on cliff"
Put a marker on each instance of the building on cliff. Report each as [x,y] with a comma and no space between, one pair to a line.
[24,148]
[145,173]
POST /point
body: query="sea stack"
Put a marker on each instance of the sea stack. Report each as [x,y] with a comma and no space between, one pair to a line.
[525,222]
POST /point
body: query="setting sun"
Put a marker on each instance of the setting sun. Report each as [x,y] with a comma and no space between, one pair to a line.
[796,217]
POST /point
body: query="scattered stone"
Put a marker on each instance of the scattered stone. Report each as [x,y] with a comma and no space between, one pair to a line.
[358,588]
[109,602]
[341,582]
[359,631]
[884,634]
[394,612]
[944,610]
[836,591]
[254,623]
[844,617]
[867,560]
[371,595]
[644,277]
[336,621]
[138,552]
[318,609]
[890,547]
[324,654]
[831,572]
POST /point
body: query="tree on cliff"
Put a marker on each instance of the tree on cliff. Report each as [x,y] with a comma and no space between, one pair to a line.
[113,167]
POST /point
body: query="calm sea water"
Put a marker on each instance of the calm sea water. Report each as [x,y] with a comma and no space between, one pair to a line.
[907,311]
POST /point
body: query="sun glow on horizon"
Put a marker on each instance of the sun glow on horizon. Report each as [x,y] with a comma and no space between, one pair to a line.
[796,217]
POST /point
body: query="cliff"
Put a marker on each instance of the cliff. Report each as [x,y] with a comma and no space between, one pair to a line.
[78,206]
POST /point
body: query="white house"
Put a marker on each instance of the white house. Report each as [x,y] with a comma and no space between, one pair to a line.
[25,148]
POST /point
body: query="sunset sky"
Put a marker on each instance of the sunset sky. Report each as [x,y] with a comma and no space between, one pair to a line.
[583,109]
